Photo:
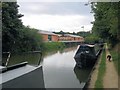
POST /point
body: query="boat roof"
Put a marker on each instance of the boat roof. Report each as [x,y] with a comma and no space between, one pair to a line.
[1,67]
[89,45]
[12,74]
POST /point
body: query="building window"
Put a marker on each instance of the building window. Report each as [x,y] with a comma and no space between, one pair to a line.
[49,38]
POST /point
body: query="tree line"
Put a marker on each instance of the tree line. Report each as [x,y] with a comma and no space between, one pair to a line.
[106,26]
[15,36]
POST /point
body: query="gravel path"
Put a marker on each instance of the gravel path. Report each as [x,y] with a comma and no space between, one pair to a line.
[110,79]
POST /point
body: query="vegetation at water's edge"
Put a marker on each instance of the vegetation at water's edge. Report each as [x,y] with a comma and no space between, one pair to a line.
[101,71]
[51,46]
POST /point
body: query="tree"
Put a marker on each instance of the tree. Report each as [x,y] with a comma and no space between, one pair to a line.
[11,25]
[30,40]
[0,27]
[106,20]
[15,36]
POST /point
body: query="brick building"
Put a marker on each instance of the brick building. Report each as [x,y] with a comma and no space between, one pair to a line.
[70,37]
[49,36]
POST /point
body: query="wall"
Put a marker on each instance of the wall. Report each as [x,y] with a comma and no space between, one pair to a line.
[68,38]
[45,37]
[54,37]
[62,38]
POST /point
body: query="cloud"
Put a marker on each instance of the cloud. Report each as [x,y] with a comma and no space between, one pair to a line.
[57,22]
[56,16]
[54,8]
[53,0]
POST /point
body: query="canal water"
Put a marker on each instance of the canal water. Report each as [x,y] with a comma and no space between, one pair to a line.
[60,71]
[59,68]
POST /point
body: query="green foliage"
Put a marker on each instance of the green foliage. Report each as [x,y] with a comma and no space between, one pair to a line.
[15,36]
[105,25]
[101,71]
[29,40]
[51,46]
[83,34]
[92,39]
[11,25]
[116,57]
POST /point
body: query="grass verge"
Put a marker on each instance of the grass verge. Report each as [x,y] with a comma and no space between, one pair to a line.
[116,57]
[101,71]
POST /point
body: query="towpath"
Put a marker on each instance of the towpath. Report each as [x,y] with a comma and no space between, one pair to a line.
[110,79]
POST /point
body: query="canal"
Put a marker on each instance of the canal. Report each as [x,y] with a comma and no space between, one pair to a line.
[59,70]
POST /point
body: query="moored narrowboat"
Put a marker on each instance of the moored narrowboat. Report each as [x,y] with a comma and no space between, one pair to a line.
[85,56]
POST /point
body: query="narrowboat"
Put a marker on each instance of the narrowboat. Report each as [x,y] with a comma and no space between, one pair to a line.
[85,56]
[21,75]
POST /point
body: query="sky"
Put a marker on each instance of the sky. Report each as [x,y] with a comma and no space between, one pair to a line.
[56,16]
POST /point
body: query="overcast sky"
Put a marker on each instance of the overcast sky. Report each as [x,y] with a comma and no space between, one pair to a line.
[56,16]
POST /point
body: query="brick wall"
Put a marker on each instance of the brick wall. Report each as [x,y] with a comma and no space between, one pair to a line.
[68,38]
[45,37]
[54,37]
[62,38]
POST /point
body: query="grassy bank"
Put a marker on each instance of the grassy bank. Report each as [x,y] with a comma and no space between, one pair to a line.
[116,56]
[101,71]
[52,46]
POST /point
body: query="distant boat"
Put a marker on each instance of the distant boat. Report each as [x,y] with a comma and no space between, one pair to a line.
[85,56]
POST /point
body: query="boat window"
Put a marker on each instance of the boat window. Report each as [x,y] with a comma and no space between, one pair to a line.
[86,49]
[83,48]
[92,50]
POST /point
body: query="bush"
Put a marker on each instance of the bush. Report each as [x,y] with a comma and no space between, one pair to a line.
[29,40]
[101,71]
[51,46]
[116,57]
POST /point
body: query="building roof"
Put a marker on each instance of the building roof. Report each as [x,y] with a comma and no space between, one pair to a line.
[51,33]
[46,32]
[72,35]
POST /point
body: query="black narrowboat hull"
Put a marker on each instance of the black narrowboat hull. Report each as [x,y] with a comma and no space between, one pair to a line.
[85,58]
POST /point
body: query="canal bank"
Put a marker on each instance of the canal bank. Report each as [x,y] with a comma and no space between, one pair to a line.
[53,46]
[104,76]
[94,74]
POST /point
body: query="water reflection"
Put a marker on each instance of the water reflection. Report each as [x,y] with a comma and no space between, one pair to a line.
[60,72]
[31,58]
[82,74]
